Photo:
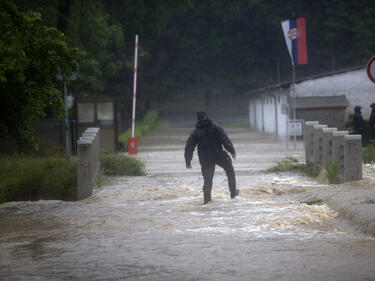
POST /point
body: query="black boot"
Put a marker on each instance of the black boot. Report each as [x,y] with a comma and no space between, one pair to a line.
[234,194]
[207,196]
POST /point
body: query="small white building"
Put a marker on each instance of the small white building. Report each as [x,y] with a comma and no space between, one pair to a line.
[354,84]
[270,108]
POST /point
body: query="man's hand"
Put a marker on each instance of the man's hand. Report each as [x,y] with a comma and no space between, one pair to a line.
[188,166]
[234,155]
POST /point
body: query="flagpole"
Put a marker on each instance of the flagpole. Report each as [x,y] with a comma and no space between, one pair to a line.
[294,100]
[295,37]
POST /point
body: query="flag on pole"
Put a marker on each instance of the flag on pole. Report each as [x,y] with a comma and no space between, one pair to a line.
[295,38]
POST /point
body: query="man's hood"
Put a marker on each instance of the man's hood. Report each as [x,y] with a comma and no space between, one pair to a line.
[203,123]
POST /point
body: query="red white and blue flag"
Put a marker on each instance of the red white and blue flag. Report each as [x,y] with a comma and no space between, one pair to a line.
[295,38]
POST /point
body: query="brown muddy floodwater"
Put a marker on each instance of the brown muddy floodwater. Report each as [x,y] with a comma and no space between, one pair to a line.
[156,228]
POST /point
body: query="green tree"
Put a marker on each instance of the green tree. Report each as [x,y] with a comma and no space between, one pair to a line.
[31,55]
[232,45]
[89,29]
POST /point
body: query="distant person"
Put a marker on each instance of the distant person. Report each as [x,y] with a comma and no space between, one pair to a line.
[211,139]
[358,123]
[372,120]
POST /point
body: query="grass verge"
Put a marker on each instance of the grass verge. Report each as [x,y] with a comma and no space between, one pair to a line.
[368,153]
[287,164]
[332,170]
[34,178]
[25,178]
[117,164]
[292,164]
[151,121]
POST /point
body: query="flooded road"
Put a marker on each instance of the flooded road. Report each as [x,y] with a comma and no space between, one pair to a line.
[156,228]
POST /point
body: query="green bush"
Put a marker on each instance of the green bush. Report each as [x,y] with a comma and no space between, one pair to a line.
[287,164]
[54,178]
[332,170]
[150,122]
[368,153]
[292,164]
[61,180]
[117,164]
[27,178]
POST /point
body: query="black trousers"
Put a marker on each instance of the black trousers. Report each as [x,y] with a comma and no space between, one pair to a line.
[208,170]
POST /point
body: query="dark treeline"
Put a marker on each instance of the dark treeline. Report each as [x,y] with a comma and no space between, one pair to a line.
[211,43]
[191,46]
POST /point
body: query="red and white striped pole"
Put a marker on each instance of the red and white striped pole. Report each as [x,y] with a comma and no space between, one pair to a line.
[132,142]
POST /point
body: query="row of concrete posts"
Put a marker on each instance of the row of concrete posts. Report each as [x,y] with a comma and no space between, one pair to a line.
[88,162]
[325,145]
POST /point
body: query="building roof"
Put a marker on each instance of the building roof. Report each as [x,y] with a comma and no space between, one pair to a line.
[286,85]
[96,98]
[321,102]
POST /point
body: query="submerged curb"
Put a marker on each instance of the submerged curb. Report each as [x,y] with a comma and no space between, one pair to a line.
[357,207]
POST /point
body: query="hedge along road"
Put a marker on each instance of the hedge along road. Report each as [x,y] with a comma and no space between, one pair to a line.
[155,227]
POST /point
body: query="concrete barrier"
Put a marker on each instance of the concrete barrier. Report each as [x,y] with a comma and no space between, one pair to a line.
[338,152]
[327,145]
[353,158]
[88,162]
[318,146]
[308,136]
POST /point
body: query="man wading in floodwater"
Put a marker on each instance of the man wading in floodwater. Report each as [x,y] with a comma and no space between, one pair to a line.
[210,139]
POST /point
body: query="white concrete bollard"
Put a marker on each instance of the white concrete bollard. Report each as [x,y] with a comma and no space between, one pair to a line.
[327,145]
[84,169]
[96,144]
[308,136]
[318,146]
[88,163]
[338,152]
[92,137]
[353,158]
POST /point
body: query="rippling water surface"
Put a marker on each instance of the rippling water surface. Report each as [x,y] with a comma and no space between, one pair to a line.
[156,228]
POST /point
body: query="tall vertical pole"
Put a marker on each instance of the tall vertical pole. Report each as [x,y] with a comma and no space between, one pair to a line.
[132,141]
[67,139]
[135,83]
[278,70]
[294,101]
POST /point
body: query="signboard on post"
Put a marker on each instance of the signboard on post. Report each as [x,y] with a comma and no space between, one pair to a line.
[295,127]
[371,69]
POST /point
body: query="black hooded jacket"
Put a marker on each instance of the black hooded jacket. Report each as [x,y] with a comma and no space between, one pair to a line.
[372,119]
[210,139]
[358,123]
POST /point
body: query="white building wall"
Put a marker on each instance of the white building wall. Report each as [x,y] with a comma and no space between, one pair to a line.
[269,116]
[282,116]
[355,85]
[266,114]
[259,115]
